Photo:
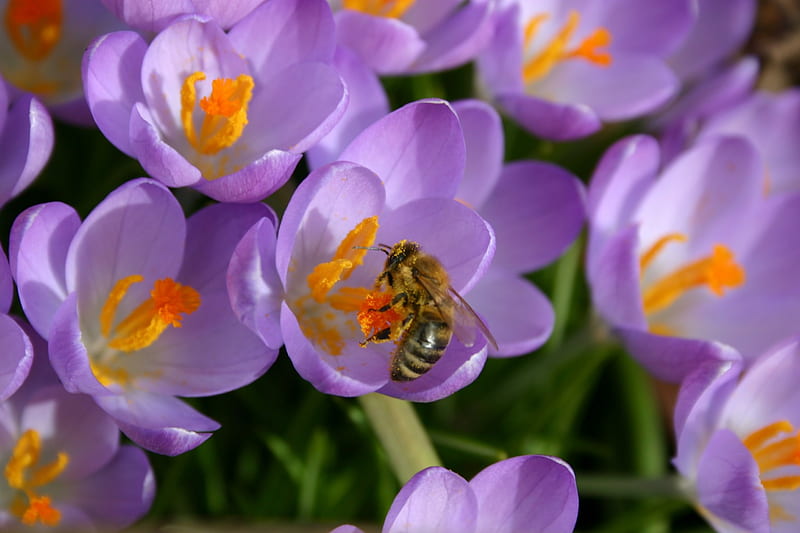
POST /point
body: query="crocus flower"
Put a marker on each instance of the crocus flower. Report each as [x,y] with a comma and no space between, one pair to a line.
[134,305]
[692,253]
[536,210]
[42,45]
[738,442]
[560,69]
[525,494]
[409,36]
[227,113]
[155,16]
[17,352]
[63,465]
[26,140]
[403,187]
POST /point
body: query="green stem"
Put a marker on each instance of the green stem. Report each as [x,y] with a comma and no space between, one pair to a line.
[403,437]
[636,488]
[563,290]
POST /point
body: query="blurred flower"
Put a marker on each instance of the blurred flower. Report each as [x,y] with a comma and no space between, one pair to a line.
[738,442]
[151,16]
[229,114]
[62,461]
[17,352]
[560,69]
[691,253]
[408,36]
[536,210]
[26,141]
[42,45]
[134,305]
[530,493]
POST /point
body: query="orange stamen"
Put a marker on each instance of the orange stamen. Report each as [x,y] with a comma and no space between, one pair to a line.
[772,450]
[372,320]
[380,8]
[34,26]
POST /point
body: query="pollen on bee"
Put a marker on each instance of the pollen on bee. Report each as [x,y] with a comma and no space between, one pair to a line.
[372,320]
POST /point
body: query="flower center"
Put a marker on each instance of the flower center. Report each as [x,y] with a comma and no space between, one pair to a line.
[34,26]
[717,271]
[539,63]
[24,474]
[167,304]
[224,112]
[380,8]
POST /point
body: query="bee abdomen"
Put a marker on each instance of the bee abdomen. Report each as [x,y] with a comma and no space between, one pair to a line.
[423,345]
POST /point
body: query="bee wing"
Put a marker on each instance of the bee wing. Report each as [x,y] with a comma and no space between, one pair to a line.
[463,320]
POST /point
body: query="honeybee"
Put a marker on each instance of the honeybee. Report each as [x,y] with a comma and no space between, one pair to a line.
[432,310]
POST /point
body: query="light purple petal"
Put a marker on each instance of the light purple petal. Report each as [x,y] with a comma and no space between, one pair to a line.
[531,493]
[499,65]
[483,138]
[387,45]
[346,529]
[6,283]
[536,210]
[367,102]
[40,238]
[17,356]
[518,315]
[728,484]
[158,423]
[255,181]
[551,120]
[456,39]
[435,499]
[26,141]
[120,493]
[418,151]
[254,285]
[112,82]
[280,33]
[139,228]
[148,16]
[719,30]
[650,27]
[424,16]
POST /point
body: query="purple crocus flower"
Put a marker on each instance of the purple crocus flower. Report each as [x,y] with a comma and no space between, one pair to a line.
[42,47]
[64,467]
[738,442]
[408,36]
[322,288]
[17,352]
[26,140]
[155,16]
[134,305]
[525,494]
[536,210]
[692,253]
[560,69]
[227,113]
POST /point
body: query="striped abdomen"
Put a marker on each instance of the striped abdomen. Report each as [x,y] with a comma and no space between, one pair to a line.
[422,345]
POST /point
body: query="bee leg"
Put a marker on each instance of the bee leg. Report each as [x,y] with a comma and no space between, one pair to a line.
[380,336]
[397,297]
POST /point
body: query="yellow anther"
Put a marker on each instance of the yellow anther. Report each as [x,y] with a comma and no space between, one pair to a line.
[380,8]
[167,304]
[225,112]
[558,48]
[774,447]
[655,249]
[34,26]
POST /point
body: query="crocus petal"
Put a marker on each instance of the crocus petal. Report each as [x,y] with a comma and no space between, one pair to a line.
[518,315]
[483,138]
[120,493]
[728,484]
[254,182]
[17,356]
[282,32]
[112,84]
[6,283]
[72,423]
[40,238]
[499,64]
[387,45]
[653,27]
[161,424]
[456,39]
[418,151]
[532,493]
[435,499]
[367,103]
[424,16]
[347,529]
[26,141]
[253,283]
[536,210]
[155,16]
[139,228]
[551,120]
